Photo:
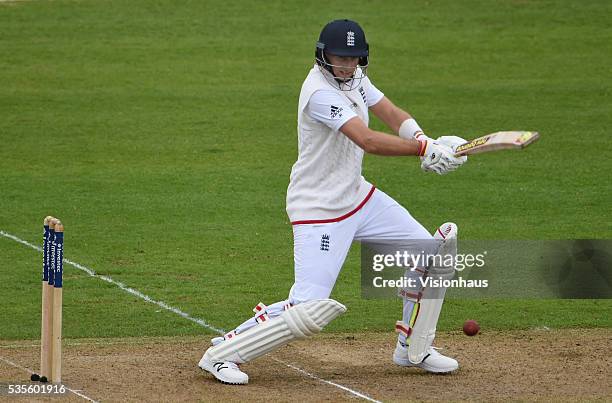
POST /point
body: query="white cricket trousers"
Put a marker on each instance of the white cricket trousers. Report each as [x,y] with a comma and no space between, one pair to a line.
[320,249]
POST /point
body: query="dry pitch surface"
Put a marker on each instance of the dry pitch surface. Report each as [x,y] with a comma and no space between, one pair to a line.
[566,365]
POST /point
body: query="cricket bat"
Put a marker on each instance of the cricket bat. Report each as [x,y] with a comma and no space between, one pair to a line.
[497,141]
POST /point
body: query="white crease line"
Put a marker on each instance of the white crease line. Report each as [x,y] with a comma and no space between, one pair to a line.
[177,311]
[76,392]
[119,284]
[139,342]
[303,372]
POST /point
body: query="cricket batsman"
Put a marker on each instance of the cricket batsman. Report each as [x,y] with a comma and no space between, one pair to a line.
[330,204]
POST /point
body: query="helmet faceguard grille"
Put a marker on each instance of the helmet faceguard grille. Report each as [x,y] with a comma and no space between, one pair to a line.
[342,83]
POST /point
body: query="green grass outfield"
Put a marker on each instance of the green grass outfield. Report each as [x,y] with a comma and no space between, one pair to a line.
[163,133]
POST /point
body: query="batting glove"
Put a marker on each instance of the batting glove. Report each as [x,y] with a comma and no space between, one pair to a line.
[453,142]
[437,157]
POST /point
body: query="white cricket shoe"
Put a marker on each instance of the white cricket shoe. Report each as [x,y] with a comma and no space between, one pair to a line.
[433,361]
[224,371]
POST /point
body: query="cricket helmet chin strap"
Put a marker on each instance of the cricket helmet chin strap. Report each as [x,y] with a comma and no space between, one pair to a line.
[342,38]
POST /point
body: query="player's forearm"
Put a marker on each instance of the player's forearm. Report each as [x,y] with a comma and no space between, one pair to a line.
[400,121]
[380,143]
[398,117]
[390,114]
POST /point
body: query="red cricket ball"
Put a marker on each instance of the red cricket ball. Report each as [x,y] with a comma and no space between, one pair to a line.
[471,327]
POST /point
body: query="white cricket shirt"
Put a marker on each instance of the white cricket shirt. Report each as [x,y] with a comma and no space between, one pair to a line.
[326,182]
